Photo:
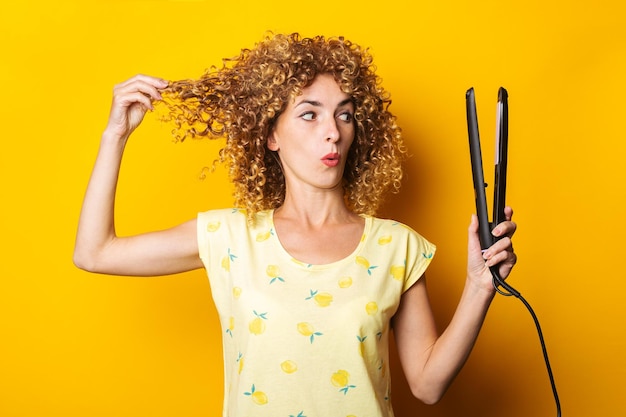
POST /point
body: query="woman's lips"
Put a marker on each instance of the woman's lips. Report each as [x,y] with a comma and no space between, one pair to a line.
[331,160]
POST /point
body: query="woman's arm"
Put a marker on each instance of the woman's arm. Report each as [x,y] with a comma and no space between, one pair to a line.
[431,361]
[98,248]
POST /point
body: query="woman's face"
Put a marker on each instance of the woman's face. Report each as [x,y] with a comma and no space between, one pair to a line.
[313,134]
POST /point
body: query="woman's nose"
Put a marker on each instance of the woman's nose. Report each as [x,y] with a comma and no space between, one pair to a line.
[332,134]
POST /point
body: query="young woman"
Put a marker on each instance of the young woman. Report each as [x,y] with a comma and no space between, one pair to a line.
[307,282]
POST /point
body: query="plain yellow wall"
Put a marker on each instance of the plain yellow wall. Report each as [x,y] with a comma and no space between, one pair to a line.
[78,344]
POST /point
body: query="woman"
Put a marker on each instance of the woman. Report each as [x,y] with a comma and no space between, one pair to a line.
[307,282]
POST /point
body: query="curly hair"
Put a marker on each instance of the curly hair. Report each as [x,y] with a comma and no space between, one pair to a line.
[242,100]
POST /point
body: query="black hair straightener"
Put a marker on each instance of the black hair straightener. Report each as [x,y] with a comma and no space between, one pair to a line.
[486,226]
[502,137]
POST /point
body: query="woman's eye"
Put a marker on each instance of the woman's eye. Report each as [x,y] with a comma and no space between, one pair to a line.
[308,115]
[345,117]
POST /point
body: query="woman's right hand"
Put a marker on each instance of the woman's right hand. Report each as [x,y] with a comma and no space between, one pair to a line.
[131,100]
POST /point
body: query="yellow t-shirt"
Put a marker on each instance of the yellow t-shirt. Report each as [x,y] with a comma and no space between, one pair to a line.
[306,340]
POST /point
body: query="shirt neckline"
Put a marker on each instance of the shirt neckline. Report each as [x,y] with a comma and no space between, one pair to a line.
[349,258]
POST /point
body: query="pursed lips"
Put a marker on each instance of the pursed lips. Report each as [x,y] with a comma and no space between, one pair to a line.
[331,159]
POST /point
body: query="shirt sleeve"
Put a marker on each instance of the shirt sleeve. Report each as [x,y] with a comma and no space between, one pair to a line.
[420,253]
[203,238]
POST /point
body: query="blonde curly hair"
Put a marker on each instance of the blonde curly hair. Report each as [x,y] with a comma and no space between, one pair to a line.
[242,100]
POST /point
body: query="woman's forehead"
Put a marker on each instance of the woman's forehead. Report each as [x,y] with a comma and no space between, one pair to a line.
[324,90]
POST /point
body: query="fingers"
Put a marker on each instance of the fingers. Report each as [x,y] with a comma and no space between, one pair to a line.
[131,100]
[506,228]
[501,252]
[508,213]
[139,89]
[473,239]
[475,260]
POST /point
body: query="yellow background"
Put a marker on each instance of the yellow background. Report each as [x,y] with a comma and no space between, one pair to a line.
[79,344]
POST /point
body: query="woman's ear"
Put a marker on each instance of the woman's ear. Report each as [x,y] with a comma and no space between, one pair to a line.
[272,143]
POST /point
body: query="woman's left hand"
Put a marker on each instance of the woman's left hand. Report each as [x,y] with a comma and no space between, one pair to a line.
[500,254]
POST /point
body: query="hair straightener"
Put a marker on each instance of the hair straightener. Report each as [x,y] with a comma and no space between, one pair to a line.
[486,226]
[502,137]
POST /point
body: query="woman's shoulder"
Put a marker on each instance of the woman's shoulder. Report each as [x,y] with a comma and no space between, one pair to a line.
[222,213]
[391,225]
[388,230]
[233,217]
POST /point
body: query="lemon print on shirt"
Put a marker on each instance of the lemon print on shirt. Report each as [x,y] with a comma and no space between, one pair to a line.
[213,226]
[257,325]
[259,397]
[263,236]
[365,264]
[341,379]
[345,282]
[305,329]
[231,326]
[299,263]
[226,260]
[371,308]
[289,366]
[361,340]
[397,272]
[226,263]
[384,240]
[240,361]
[322,299]
[273,272]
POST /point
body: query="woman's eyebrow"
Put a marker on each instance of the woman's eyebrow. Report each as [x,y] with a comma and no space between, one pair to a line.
[311,102]
[346,101]
[319,104]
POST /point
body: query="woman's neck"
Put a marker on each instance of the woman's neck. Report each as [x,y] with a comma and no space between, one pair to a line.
[316,208]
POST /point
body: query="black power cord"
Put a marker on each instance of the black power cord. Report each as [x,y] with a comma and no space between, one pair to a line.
[510,291]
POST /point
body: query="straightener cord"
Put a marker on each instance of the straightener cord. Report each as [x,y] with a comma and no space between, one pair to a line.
[510,291]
